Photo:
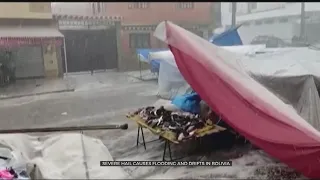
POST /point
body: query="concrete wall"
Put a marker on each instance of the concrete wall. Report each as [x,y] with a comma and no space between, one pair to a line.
[50,61]
[75,8]
[25,10]
[79,8]
[243,11]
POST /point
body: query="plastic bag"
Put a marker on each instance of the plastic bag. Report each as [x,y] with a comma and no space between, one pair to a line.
[188,102]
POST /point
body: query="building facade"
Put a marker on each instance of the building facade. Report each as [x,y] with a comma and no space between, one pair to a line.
[141,18]
[79,8]
[280,19]
[30,35]
[91,36]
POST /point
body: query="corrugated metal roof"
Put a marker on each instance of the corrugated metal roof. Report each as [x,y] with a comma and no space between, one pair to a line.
[25,31]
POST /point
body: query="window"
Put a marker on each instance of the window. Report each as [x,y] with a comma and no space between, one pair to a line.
[39,7]
[99,7]
[196,32]
[247,23]
[230,7]
[269,21]
[187,5]
[139,40]
[252,6]
[258,22]
[139,5]
[283,20]
[93,8]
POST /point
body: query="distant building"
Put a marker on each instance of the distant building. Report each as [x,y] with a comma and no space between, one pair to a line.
[91,36]
[79,8]
[280,19]
[141,18]
[29,33]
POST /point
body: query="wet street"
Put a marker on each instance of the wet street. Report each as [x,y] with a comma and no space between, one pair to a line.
[89,104]
[106,101]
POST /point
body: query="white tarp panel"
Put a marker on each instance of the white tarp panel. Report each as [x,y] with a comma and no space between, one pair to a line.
[290,73]
[29,31]
[171,83]
[61,156]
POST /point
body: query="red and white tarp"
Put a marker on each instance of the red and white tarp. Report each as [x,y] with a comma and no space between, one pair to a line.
[29,35]
[15,42]
[256,113]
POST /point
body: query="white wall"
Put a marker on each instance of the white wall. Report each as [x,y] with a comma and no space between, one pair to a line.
[242,10]
[71,8]
[226,12]
[281,30]
[276,11]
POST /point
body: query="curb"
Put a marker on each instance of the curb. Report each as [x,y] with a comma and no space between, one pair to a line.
[141,79]
[36,94]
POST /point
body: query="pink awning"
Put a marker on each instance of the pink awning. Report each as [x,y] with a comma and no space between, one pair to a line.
[18,36]
[244,104]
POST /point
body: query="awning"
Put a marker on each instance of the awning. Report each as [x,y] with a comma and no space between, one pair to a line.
[250,108]
[13,36]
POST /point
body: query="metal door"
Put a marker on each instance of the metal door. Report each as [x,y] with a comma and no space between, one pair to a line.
[29,62]
[98,46]
[102,47]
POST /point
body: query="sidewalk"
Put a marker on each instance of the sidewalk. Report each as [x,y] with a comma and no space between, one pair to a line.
[32,87]
[86,81]
[82,81]
[144,75]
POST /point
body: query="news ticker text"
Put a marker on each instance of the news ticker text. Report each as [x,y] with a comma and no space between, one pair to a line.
[165,163]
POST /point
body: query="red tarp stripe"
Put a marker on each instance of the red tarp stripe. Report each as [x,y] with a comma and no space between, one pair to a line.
[275,132]
[18,41]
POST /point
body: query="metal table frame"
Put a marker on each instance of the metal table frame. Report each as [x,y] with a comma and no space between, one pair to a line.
[167,145]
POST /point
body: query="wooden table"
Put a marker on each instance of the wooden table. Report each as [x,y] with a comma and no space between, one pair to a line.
[169,136]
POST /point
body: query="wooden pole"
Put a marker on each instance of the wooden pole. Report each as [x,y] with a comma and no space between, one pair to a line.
[60,129]
[302,22]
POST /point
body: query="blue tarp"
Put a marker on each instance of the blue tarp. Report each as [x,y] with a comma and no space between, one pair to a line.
[143,55]
[212,37]
[188,102]
[230,37]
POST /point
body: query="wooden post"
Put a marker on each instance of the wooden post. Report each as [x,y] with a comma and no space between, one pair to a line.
[234,14]
[302,22]
[119,47]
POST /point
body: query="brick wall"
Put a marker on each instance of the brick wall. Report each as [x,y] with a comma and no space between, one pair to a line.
[157,12]
[200,14]
[129,56]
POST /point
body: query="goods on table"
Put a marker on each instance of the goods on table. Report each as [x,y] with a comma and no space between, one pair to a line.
[183,124]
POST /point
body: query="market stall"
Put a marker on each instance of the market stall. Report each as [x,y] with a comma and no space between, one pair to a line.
[173,127]
[224,83]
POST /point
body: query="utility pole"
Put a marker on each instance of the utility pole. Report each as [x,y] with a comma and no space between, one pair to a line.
[302,22]
[234,13]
